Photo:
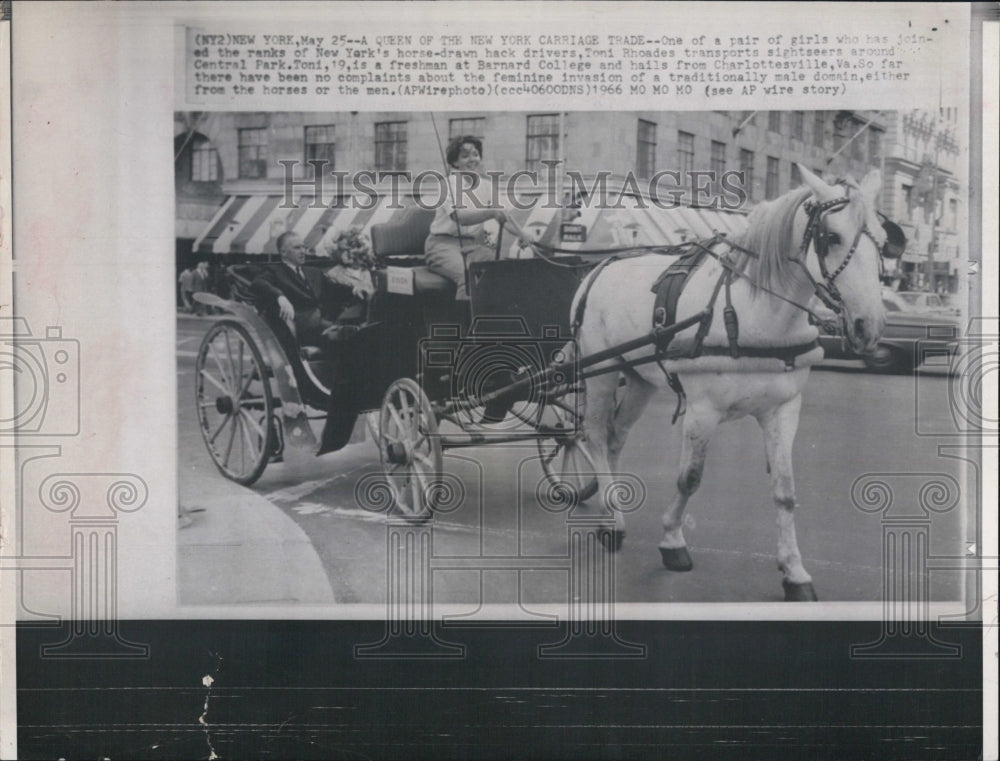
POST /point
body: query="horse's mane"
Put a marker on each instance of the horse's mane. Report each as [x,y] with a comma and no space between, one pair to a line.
[769,235]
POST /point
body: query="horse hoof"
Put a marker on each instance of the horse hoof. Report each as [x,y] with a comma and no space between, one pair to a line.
[613,540]
[799,592]
[676,558]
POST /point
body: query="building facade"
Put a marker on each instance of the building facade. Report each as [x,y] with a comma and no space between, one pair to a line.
[222,158]
[923,182]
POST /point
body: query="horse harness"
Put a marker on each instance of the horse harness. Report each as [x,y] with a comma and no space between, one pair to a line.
[827,292]
[669,286]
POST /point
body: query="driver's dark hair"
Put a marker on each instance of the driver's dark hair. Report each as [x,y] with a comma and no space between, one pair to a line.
[280,242]
[455,147]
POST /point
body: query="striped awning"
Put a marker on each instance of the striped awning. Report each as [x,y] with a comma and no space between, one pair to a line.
[635,223]
[247,224]
[250,224]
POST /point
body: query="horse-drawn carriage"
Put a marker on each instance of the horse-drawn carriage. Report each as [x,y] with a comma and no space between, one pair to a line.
[570,346]
[415,359]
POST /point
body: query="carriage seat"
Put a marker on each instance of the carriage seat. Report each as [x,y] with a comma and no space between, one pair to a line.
[400,243]
[427,281]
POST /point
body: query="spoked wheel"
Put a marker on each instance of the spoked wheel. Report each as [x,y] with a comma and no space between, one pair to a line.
[565,460]
[410,448]
[235,403]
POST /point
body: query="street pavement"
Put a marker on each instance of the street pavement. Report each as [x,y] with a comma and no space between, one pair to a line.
[303,526]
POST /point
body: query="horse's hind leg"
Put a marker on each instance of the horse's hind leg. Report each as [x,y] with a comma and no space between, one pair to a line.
[598,424]
[633,399]
[779,426]
[699,424]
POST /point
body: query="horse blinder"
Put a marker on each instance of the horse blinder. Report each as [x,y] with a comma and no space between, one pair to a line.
[895,239]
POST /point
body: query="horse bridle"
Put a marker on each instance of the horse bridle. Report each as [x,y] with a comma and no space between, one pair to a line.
[815,233]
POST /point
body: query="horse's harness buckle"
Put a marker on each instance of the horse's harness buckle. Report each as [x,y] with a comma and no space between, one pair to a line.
[659,317]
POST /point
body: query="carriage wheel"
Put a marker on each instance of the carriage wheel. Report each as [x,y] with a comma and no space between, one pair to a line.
[565,459]
[235,404]
[410,448]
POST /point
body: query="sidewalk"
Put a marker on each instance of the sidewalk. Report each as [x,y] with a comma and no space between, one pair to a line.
[233,546]
[236,548]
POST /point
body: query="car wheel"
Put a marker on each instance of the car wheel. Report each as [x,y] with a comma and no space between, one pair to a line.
[886,359]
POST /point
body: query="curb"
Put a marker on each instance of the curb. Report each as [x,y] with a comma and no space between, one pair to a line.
[236,548]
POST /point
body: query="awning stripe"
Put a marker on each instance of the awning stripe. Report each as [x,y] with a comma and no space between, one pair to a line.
[246,212]
[663,226]
[263,239]
[323,225]
[308,220]
[340,221]
[204,244]
[255,223]
[364,216]
[694,223]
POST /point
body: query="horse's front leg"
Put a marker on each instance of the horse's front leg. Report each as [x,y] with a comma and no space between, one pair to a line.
[779,425]
[700,421]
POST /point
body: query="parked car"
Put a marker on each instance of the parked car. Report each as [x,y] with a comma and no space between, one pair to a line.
[909,333]
[924,301]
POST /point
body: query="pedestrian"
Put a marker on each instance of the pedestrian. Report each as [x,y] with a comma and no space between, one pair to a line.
[186,281]
[200,284]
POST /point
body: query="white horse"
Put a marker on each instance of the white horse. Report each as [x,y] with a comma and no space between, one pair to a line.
[817,240]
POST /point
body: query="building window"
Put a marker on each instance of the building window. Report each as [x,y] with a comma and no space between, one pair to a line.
[320,144]
[746,167]
[874,146]
[907,198]
[796,176]
[771,181]
[774,121]
[253,153]
[390,146]
[645,163]
[718,160]
[798,125]
[204,161]
[953,214]
[475,126]
[685,151]
[819,129]
[542,140]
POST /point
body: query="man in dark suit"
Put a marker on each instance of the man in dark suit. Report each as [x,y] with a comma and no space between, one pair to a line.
[293,292]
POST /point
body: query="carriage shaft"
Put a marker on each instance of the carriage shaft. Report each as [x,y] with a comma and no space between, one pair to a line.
[478,439]
[653,337]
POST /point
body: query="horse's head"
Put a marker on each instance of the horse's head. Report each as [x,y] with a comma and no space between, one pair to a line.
[843,239]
